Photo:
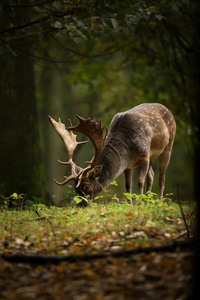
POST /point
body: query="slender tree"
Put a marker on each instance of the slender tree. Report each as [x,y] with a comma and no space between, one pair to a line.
[21,167]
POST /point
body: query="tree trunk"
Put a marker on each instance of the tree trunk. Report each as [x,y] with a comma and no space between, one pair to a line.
[21,168]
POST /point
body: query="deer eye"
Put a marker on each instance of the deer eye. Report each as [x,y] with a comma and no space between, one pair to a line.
[86,188]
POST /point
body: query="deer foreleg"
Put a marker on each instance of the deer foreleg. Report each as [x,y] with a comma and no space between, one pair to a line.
[142,173]
[128,180]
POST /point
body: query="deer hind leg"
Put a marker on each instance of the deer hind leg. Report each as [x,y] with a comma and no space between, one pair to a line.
[128,180]
[150,176]
[163,161]
[143,168]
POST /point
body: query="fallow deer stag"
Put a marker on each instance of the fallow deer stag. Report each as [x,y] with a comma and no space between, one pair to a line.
[135,138]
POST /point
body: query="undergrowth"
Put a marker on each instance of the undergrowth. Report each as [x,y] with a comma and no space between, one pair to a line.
[97,227]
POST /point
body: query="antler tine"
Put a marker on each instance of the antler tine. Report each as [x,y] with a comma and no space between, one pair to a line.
[67,179]
[72,164]
[94,130]
[69,139]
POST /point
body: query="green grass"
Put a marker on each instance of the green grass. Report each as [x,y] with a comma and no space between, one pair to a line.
[98,227]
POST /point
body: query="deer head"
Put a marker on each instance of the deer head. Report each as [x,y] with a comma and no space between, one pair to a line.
[85,180]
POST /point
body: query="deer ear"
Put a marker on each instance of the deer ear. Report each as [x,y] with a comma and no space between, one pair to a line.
[96,171]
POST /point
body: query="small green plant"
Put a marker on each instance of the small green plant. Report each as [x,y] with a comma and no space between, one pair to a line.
[14,201]
[115,198]
[114,183]
[149,197]
[80,200]
[129,196]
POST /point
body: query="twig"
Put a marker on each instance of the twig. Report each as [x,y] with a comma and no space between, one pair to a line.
[184,220]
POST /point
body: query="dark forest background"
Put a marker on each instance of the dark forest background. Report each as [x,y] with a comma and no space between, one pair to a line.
[93,58]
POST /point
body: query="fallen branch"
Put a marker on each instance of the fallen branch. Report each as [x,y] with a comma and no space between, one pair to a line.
[54,259]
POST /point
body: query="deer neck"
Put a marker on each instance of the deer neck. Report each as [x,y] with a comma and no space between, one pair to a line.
[113,163]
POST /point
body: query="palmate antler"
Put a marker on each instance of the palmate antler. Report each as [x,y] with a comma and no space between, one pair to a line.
[90,128]
[70,142]
[93,130]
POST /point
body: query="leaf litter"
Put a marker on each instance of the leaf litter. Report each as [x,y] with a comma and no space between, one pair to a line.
[154,275]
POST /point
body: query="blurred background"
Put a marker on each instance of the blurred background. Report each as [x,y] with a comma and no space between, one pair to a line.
[94,59]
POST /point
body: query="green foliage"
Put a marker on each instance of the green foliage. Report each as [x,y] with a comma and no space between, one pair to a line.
[150,199]
[114,182]
[19,201]
[14,201]
[54,229]
[80,199]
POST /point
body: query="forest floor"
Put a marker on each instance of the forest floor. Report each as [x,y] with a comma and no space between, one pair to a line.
[105,251]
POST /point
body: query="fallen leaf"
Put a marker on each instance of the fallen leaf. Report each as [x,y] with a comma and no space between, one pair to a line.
[139,234]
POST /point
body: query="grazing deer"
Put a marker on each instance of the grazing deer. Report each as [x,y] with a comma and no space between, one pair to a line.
[135,138]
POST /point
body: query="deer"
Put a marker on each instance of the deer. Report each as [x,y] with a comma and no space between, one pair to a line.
[135,138]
